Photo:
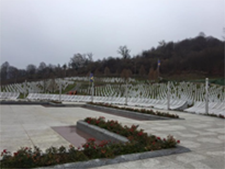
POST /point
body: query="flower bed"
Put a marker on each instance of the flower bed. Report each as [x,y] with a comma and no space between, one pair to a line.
[215,115]
[142,140]
[157,113]
[139,141]
[27,157]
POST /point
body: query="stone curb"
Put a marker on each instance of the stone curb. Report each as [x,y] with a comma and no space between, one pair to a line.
[121,158]
[99,133]
[118,159]
[131,113]
[23,102]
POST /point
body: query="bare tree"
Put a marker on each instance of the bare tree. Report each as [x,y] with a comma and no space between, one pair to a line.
[106,71]
[151,74]
[78,61]
[202,34]
[13,73]
[97,72]
[124,51]
[42,66]
[90,57]
[64,67]
[126,73]
[162,43]
[142,71]
[4,70]
[31,69]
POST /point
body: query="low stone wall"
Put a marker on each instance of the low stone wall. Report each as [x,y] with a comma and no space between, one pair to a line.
[103,134]
[24,102]
[99,133]
[120,159]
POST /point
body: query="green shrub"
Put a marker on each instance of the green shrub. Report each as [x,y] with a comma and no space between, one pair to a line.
[139,141]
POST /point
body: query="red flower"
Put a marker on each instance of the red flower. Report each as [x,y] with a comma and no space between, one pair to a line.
[158,138]
[88,121]
[164,139]
[87,145]
[15,154]
[103,151]
[140,133]
[91,139]
[4,152]
[178,141]
[97,122]
[103,143]
[130,137]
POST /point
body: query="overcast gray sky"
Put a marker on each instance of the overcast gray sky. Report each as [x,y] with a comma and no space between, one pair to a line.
[52,31]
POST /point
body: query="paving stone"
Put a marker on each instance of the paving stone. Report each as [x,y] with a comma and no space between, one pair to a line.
[209,140]
[28,125]
[189,158]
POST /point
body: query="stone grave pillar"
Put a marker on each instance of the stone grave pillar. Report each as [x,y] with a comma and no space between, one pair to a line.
[92,91]
[168,96]
[60,90]
[25,89]
[206,96]
[126,94]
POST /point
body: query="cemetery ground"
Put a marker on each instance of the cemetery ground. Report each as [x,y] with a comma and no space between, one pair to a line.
[31,125]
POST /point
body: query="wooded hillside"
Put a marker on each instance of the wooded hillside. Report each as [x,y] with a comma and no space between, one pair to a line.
[200,55]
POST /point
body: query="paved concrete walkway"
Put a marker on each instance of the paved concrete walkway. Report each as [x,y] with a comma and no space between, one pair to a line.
[29,125]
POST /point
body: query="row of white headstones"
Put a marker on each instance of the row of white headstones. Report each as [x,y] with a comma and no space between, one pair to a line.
[191,92]
[186,91]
